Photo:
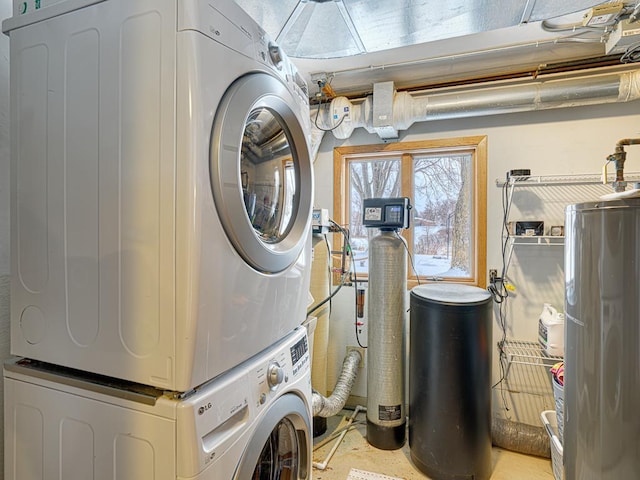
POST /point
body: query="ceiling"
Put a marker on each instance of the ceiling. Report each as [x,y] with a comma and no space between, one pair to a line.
[353,44]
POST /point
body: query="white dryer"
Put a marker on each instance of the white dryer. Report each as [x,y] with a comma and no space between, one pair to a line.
[161,188]
[252,422]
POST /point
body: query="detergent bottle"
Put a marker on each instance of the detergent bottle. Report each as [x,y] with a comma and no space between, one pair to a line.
[551,330]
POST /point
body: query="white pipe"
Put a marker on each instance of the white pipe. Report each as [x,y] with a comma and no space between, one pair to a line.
[343,116]
[323,465]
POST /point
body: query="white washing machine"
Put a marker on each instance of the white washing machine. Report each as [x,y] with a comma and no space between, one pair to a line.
[161,188]
[252,422]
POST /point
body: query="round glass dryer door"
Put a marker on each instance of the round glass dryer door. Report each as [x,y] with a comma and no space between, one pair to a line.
[261,172]
[280,446]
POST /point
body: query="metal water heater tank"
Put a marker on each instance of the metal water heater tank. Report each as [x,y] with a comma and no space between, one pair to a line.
[602,352]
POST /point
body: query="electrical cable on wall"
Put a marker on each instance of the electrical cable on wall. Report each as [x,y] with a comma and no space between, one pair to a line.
[343,276]
[500,292]
[352,268]
[326,242]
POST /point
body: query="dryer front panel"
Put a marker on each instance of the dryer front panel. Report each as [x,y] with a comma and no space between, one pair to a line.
[261,172]
[93,189]
[123,262]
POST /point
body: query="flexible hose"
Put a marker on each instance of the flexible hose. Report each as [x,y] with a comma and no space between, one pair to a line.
[520,437]
[328,407]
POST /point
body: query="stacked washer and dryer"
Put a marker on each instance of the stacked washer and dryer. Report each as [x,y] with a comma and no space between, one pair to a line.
[160,245]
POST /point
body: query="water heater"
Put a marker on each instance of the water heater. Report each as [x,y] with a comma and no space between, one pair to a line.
[602,352]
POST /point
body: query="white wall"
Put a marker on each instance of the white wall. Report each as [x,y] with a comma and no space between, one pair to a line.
[5,11]
[564,141]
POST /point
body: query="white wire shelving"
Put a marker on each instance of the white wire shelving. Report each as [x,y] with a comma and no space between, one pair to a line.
[600,187]
[522,352]
[579,186]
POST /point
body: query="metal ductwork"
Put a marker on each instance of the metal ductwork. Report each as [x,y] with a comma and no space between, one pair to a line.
[328,407]
[389,113]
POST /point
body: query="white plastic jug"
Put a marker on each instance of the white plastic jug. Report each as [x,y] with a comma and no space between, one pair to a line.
[551,330]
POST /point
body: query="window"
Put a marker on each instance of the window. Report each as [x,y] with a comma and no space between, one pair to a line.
[446,182]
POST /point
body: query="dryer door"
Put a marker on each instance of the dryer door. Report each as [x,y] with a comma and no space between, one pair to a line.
[281,444]
[261,172]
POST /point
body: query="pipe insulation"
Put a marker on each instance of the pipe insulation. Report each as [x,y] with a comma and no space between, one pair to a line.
[344,115]
[328,407]
[320,289]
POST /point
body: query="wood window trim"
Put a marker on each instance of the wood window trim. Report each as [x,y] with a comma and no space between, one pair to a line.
[478,144]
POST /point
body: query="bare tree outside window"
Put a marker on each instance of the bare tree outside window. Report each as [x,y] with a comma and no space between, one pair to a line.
[447,188]
[442,215]
[369,179]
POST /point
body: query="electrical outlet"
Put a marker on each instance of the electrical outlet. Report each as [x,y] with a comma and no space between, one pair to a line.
[362,354]
[493,274]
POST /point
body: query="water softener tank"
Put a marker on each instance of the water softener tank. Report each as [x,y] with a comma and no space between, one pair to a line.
[450,381]
[386,346]
[602,348]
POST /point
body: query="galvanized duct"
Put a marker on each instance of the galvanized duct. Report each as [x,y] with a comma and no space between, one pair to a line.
[387,113]
[328,407]
[520,437]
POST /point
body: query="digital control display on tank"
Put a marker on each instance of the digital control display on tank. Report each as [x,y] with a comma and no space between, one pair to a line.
[298,351]
[386,213]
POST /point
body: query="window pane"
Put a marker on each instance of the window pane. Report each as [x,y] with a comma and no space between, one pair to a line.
[443,208]
[368,179]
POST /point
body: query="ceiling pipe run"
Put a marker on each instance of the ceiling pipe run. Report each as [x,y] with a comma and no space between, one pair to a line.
[342,116]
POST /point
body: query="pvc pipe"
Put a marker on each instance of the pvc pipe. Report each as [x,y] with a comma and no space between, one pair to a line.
[323,465]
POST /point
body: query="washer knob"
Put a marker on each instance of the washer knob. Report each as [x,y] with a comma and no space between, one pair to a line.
[276,55]
[275,375]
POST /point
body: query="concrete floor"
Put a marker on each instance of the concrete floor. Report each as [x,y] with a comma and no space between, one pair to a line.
[354,452]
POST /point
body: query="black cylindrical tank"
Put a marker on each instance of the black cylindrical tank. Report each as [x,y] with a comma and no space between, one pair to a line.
[450,381]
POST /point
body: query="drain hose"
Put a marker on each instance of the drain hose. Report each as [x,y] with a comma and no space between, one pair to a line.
[330,406]
[520,437]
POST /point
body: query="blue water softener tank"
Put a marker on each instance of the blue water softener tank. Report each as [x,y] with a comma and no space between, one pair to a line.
[450,381]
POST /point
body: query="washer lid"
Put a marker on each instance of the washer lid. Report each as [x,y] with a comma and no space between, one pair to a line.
[261,173]
[451,293]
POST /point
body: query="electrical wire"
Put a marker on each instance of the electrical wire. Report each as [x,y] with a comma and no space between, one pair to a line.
[631,54]
[352,269]
[333,294]
[346,250]
[500,293]
[578,29]
[315,121]
[326,242]
[413,267]
[342,278]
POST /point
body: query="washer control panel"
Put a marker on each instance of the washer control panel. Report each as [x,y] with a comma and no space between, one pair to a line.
[230,403]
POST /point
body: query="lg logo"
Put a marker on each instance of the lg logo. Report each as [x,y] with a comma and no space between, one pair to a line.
[204,408]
